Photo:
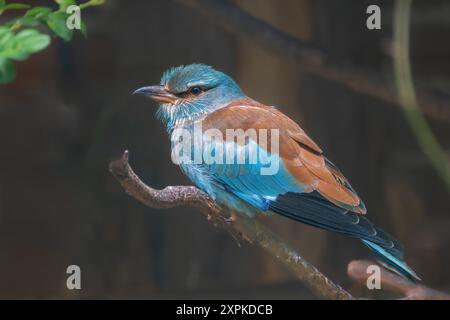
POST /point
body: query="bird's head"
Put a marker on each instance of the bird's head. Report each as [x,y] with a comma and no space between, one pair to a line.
[190,92]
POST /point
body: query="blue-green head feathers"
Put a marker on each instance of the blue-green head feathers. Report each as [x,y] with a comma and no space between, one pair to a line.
[199,89]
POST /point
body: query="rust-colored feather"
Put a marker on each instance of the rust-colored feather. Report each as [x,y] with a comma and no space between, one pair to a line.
[301,155]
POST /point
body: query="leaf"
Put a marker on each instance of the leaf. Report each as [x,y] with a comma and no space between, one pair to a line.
[7,71]
[97,2]
[8,44]
[11,50]
[38,13]
[27,21]
[35,15]
[19,46]
[2,6]
[5,35]
[31,40]
[16,6]
[63,4]
[56,21]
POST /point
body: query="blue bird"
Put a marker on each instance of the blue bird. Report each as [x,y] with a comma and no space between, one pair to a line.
[253,159]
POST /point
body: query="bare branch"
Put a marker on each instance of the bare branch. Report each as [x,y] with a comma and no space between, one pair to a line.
[357,270]
[246,228]
[311,58]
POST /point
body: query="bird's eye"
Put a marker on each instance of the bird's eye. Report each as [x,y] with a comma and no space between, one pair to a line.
[195,90]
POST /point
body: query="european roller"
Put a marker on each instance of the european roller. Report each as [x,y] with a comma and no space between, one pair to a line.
[253,159]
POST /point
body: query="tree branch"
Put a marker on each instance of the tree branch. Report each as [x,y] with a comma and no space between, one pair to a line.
[311,58]
[247,229]
[357,270]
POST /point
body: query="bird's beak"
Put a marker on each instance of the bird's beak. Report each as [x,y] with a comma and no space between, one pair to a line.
[157,93]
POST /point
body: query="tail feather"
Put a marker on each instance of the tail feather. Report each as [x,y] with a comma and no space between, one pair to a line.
[314,209]
[391,262]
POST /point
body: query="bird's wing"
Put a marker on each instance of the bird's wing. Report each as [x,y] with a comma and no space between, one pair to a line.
[302,165]
[307,187]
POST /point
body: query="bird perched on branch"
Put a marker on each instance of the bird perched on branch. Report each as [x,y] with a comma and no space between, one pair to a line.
[253,159]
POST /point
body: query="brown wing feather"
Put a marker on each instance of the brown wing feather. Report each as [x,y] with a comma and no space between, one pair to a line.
[301,155]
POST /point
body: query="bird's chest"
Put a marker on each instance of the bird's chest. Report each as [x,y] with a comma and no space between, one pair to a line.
[186,152]
[188,147]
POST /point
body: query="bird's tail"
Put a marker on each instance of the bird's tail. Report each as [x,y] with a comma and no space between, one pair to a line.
[313,209]
[391,262]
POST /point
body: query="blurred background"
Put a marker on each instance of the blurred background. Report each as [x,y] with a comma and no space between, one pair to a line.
[70,111]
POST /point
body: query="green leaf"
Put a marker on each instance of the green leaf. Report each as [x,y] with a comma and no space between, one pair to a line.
[38,13]
[11,50]
[31,40]
[2,6]
[16,6]
[56,21]
[7,71]
[35,15]
[8,44]
[97,2]
[27,21]
[19,46]
[5,35]
[63,4]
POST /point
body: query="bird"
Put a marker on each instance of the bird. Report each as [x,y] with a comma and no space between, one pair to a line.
[303,186]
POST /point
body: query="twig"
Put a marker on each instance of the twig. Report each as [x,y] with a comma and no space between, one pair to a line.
[246,228]
[310,57]
[357,270]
